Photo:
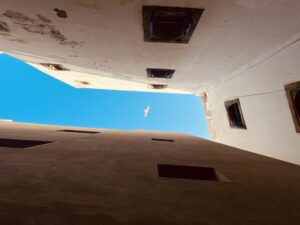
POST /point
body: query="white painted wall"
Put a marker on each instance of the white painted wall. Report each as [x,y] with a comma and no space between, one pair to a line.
[104,38]
[260,87]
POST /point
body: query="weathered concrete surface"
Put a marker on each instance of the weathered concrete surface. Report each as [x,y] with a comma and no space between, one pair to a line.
[246,49]
[104,39]
[111,178]
[260,89]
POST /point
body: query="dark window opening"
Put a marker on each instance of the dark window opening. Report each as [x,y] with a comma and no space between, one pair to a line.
[158,86]
[17,143]
[170,24]
[190,172]
[235,115]
[81,131]
[160,73]
[83,82]
[55,66]
[297,103]
[293,95]
[166,140]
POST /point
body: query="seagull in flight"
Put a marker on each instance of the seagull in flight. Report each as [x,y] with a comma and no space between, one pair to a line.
[146,111]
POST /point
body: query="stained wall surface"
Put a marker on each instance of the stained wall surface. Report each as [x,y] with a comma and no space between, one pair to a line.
[102,42]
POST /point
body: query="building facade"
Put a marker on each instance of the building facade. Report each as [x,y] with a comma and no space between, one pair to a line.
[69,175]
[233,50]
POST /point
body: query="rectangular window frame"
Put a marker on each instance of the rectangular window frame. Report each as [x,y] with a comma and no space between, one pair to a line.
[79,131]
[289,88]
[149,12]
[155,73]
[158,86]
[187,172]
[55,67]
[162,140]
[231,124]
[21,143]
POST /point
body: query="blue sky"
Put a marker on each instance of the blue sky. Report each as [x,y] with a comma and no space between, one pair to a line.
[28,95]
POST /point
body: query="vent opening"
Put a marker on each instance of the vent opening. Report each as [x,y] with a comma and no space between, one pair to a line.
[83,82]
[160,73]
[235,115]
[293,95]
[190,172]
[17,143]
[158,86]
[169,24]
[297,103]
[166,140]
[57,67]
[81,131]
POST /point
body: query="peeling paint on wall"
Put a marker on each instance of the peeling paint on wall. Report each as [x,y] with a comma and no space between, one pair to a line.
[18,41]
[89,4]
[4,27]
[43,18]
[42,26]
[5,34]
[17,16]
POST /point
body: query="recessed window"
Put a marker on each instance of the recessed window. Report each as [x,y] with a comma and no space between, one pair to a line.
[293,95]
[55,66]
[190,172]
[165,140]
[17,143]
[158,86]
[81,131]
[234,114]
[83,82]
[169,24]
[160,73]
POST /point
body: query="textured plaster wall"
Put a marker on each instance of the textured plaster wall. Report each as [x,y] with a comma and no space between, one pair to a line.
[260,88]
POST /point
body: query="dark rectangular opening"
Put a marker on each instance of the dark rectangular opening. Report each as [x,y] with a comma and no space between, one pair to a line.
[158,86]
[170,24]
[234,114]
[160,73]
[81,131]
[293,95]
[187,172]
[17,143]
[57,67]
[166,140]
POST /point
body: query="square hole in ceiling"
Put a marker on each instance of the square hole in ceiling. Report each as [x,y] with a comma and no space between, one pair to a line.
[81,131]
[235,114]
[160,73]
[17,143]
[158,86]
[190,172]
[293,94]
[169,24]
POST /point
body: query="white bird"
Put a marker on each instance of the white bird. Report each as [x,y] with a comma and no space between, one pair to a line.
[146,111]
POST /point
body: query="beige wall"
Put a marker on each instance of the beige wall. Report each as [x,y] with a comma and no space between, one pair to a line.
[260,88]
[111,178]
